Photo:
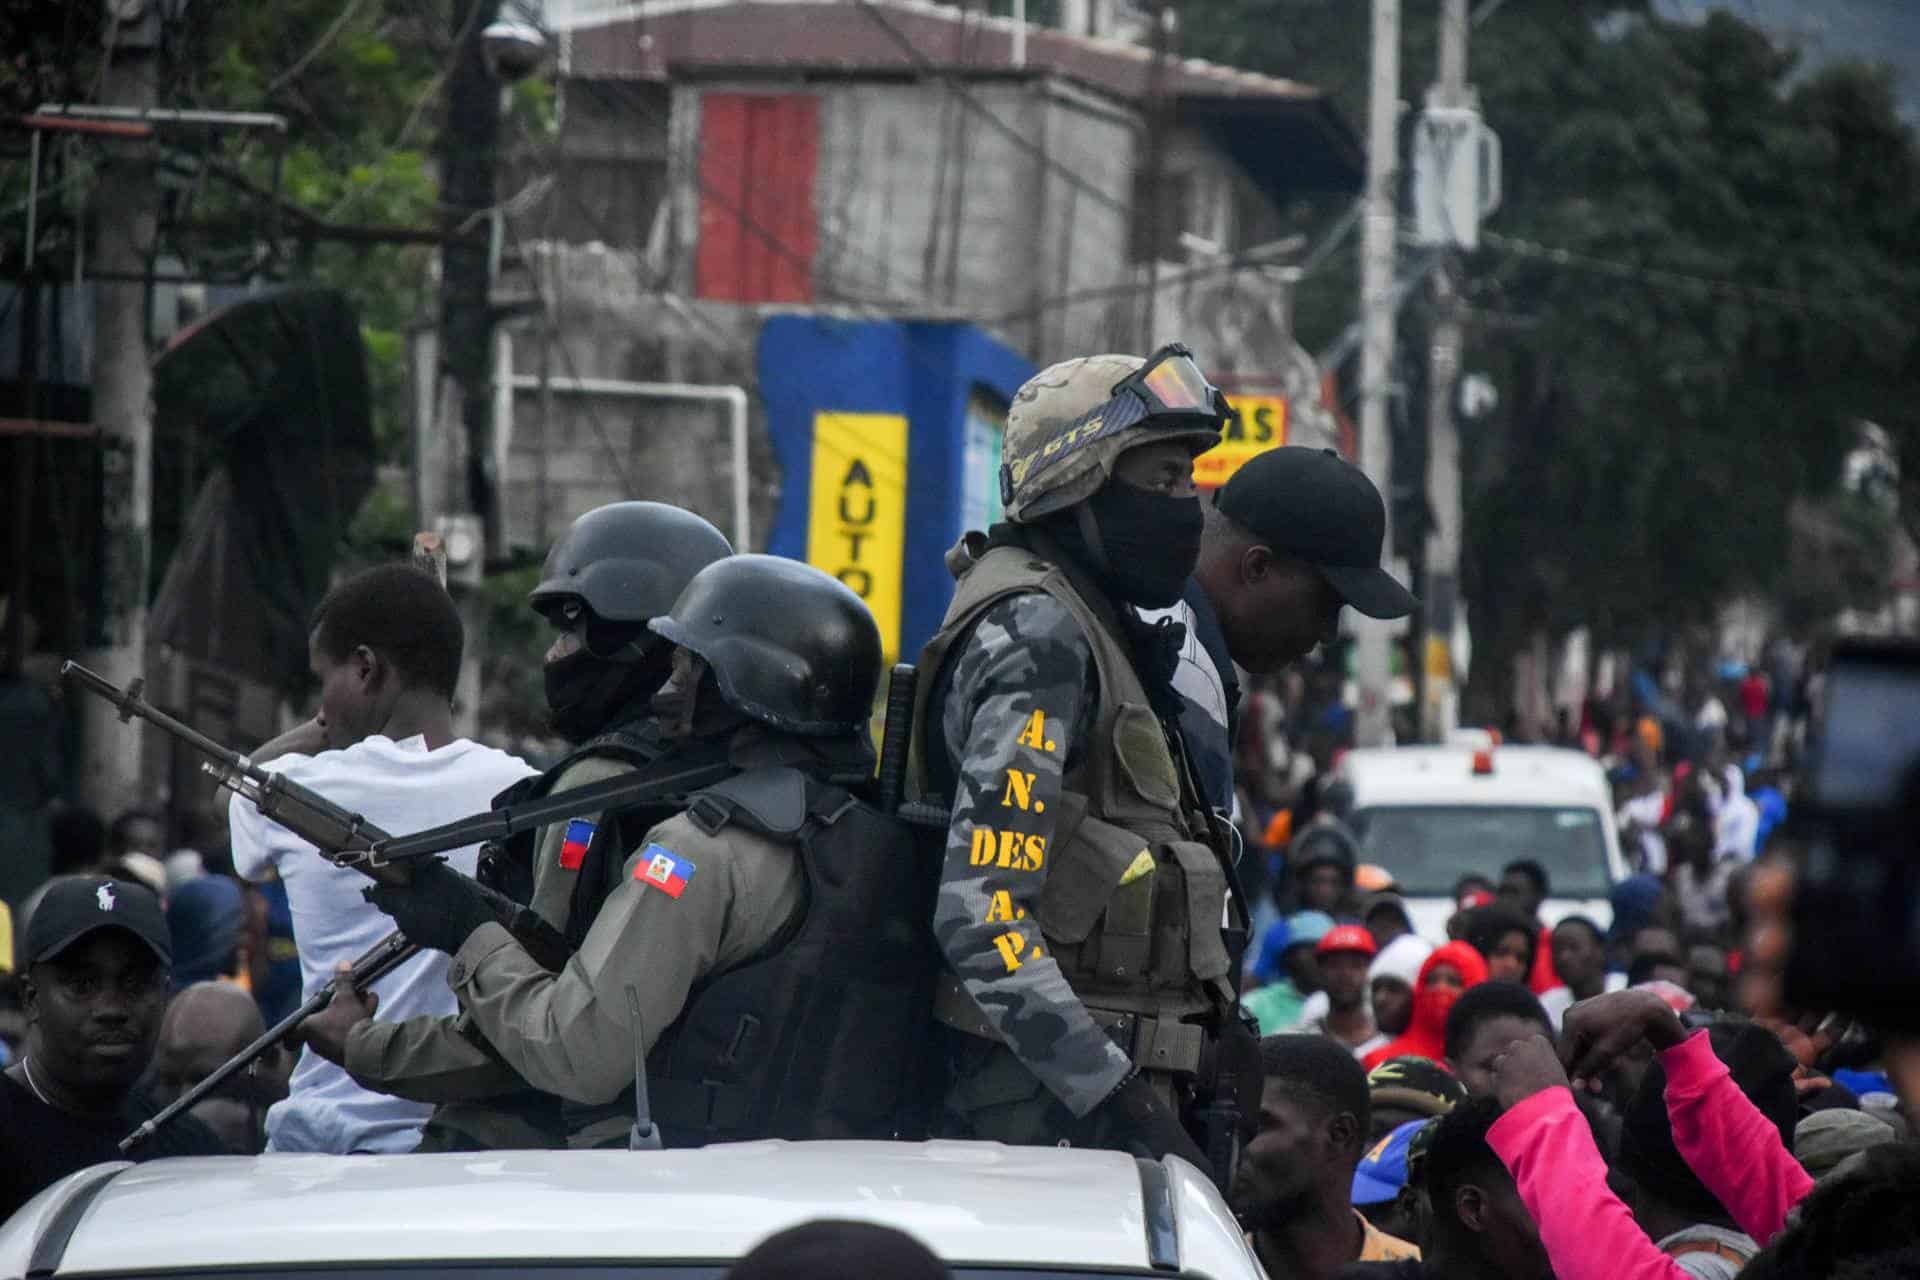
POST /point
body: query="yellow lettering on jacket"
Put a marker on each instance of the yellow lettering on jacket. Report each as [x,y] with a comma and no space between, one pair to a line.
[1000,909]
[1010,945]
[1019,792]
[1008,850]
[980,853]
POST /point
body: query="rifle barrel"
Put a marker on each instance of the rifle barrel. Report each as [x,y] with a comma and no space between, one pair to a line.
[374,964]
[129,703]
[595,797]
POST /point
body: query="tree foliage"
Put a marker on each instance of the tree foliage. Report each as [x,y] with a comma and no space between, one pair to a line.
[1714,279]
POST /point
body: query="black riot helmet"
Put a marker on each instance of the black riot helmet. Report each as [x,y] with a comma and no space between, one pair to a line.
[787,644]
[616,569]
[627,561]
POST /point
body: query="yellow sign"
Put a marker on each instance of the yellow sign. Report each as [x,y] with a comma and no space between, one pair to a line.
[1259,423]
[857,524]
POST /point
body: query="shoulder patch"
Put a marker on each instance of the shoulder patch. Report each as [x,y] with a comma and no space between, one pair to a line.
[664,869]
[573,848]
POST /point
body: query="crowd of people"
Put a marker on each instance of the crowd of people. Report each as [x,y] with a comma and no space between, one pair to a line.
[1522,1096]
[1576,1098]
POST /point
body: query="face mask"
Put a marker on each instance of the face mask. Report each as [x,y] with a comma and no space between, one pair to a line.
[585,692]
[1150,543]
[678,699]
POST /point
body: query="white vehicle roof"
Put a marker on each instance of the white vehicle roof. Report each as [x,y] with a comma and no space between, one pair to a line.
[1522,777]
[979,1204]
[1444,775]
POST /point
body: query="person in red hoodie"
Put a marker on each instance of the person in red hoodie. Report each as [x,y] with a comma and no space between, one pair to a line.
[1725,1140]
[1447,972]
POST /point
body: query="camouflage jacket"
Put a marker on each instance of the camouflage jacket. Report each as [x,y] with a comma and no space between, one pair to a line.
[1017,706]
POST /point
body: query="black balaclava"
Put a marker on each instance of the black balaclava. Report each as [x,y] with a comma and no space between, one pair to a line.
[1141,546]
[616,669]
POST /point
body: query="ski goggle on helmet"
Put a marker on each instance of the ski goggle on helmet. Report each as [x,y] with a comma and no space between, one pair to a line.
[1168,392]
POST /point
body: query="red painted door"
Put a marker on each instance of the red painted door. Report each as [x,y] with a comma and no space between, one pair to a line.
[758,232]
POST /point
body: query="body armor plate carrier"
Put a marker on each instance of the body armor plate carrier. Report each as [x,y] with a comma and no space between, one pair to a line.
[823,1033]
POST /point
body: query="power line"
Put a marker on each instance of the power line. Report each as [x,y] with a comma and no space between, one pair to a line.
[566,357]
[773,241]
[1712,285]
[1316,258]
[1097,193]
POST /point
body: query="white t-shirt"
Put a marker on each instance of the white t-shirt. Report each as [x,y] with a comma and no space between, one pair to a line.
[400,787]
[1557,1000]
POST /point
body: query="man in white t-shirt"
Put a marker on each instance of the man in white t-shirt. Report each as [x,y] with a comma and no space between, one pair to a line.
[386,648]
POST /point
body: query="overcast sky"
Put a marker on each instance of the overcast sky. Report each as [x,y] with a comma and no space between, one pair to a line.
[1874,30]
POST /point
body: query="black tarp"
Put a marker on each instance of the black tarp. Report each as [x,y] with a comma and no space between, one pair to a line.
[263,452]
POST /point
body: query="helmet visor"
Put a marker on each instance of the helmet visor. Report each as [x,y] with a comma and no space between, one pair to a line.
[1174,382]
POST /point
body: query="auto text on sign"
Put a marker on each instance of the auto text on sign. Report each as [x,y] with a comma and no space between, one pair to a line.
[857,519]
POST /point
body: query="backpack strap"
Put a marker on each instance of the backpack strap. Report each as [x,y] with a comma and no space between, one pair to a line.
[778,801]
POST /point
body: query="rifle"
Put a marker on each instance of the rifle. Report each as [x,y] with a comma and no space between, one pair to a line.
[344,839]
[378,961]
[625,792]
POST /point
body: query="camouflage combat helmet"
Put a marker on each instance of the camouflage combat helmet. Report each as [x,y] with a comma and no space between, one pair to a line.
[1071,421]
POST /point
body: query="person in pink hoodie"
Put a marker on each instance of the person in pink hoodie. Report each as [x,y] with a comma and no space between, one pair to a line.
[1733,1149]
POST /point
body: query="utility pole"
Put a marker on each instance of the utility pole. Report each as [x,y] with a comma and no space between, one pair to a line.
[470,140]
[1373,671]
[1163,17]
[1440,707]
[126,218]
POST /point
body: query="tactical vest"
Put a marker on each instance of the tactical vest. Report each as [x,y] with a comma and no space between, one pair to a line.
[822,1033]
[1147,957]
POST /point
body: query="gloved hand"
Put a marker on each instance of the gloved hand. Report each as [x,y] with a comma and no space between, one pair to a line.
[439,908]
[1133,1118]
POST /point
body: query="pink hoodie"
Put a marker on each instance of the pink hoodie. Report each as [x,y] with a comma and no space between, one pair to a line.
[1589,1235]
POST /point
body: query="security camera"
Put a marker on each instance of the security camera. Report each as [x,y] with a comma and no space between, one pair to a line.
[514,50]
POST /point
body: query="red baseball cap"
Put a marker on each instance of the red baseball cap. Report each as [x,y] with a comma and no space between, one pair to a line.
[1347,937]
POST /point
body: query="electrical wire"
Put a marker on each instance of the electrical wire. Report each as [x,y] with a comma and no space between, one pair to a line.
[1097,193]
[1789,299]
[614,457]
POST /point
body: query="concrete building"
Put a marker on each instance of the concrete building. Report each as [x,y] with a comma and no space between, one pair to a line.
[714,164]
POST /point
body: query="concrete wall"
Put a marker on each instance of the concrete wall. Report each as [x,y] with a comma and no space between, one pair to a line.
[924,210]
[573,451]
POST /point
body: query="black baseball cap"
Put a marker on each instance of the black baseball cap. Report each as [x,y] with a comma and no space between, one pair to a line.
[75,906]
[1314,504]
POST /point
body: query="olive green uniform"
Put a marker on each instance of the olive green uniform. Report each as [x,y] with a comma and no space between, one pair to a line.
[445,1060]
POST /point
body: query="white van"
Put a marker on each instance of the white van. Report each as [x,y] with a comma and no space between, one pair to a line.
[1430,815]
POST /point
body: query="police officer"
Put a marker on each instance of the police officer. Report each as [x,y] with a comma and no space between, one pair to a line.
[763,948]
[1081,898]
[617,568]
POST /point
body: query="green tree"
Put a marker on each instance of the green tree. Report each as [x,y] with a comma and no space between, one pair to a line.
[1702,279]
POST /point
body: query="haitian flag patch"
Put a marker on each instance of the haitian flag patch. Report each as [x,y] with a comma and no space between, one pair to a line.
[664,869]
[573,849]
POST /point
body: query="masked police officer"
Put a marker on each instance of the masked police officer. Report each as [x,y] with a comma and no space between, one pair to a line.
[763,948]
[1082,894]
[619,567]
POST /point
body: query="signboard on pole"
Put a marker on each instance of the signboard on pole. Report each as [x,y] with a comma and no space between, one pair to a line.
[857,529]
[1259,423]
